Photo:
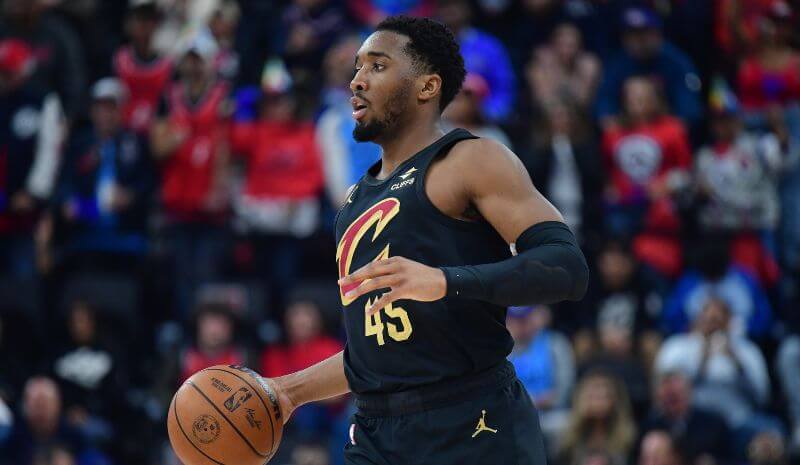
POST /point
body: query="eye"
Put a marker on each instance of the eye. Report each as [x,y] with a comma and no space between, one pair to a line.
[378,67]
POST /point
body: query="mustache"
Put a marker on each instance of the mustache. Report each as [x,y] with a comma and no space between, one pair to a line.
[361,96]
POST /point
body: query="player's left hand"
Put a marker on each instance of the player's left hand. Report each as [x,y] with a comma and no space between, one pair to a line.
[405,279]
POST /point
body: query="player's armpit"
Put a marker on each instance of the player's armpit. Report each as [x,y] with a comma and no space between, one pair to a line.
[498,185]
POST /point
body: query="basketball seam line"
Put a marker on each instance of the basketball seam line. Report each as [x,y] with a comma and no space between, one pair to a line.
[255,390]
[226,419]
[178,421]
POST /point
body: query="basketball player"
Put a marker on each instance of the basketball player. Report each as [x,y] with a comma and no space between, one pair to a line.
[426,271]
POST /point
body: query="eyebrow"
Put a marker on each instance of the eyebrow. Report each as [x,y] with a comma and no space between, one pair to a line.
[375,54]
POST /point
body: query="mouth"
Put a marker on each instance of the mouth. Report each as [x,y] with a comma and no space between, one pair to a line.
[359,108]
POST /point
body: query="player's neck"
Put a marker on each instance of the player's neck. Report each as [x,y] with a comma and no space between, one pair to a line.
[405,143]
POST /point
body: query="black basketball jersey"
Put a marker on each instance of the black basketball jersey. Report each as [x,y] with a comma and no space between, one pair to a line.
[409,343]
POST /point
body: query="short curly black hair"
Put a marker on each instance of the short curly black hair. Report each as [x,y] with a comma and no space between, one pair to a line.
[433,48]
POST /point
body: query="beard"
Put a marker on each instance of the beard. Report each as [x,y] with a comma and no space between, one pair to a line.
[395,107]
[369,131]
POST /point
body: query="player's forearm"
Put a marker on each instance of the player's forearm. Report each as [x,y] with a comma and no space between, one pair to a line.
[321,381]
[548,268]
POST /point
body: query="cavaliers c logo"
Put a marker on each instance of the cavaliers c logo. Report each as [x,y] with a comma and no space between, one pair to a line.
[380,215]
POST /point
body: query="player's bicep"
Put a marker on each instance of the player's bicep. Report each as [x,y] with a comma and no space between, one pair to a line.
[501,189]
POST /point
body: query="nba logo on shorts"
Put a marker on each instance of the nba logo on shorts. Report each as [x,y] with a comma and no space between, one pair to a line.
[353,434]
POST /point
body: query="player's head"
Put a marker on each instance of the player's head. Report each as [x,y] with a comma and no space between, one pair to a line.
[408,67]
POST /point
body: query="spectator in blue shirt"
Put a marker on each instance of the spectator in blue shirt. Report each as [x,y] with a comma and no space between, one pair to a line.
[714,275]
[483,54]
[544,362]
[645,52]
[103,194]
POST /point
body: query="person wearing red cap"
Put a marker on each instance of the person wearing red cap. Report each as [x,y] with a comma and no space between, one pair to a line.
[31,130]
[60,60]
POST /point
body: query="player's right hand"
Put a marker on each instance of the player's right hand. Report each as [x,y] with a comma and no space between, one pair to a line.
[285,403]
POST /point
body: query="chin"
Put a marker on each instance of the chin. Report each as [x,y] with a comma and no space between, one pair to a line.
[367,132]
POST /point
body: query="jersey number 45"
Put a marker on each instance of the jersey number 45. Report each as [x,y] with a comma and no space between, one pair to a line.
[374,325]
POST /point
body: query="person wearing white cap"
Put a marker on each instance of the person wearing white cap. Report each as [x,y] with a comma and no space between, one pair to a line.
[190,141]
[107,174]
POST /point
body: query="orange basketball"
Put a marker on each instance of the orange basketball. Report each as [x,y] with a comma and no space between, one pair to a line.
[225,415]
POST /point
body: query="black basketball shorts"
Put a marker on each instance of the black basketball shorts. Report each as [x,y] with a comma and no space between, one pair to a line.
[486,420]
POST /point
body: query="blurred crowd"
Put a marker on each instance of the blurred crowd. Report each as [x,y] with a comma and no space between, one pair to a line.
[170,171]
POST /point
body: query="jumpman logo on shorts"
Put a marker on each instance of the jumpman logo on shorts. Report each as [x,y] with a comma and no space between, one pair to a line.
[482,425]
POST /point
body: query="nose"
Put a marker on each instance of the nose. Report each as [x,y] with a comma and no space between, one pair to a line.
[358,83]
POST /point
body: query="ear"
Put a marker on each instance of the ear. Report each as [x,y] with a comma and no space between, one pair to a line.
[429,86]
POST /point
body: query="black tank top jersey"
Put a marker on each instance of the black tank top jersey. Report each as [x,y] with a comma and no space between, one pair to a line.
[410,343]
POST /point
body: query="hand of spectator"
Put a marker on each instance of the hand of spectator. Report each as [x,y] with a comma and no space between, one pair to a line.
[22,202]
[658,189]
[178,136]
[70,210]
[705,459]
[216,201]
[165,138]
[777,122]
[77,416]
[42,239]
[121,198]
[726,345]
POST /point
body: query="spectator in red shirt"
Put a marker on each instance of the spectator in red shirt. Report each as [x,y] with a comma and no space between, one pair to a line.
[736,24]
[190,140]
[140,67]
[648,159]
[278,204]
[769,79]
[306,344]
[214,343]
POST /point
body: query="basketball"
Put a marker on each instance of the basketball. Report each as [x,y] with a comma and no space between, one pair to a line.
[225,414]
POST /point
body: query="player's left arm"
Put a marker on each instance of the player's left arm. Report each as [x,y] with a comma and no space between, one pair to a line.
[548,267]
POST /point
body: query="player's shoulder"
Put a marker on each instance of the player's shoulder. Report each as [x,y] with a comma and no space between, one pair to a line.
[483,153]
[484,164]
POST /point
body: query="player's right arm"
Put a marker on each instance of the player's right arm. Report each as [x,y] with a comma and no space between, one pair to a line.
[318,382]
